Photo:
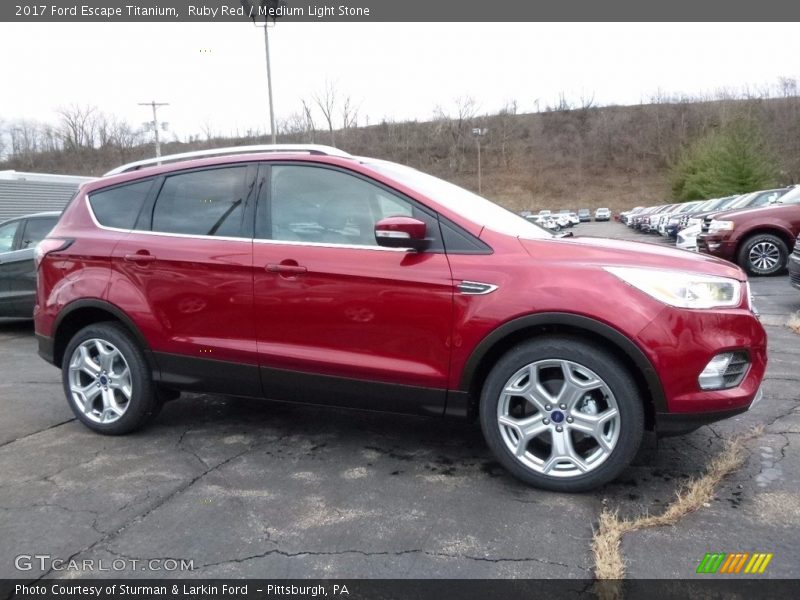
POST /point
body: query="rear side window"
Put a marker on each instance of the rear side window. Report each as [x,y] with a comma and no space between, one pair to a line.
[119,206]
[36,230]
[202,203]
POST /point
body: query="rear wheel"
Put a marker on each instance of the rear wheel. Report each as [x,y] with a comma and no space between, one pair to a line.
[763,254]
[107,380]
[562,414]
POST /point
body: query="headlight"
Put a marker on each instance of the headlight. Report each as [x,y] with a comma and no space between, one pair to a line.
[721,225]
[682,289]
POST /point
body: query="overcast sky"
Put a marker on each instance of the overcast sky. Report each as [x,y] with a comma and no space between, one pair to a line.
[214,73]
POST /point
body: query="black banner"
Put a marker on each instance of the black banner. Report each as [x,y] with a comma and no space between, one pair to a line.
[396,10]
[404,589]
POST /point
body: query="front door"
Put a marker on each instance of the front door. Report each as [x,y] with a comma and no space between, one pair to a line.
[340,320]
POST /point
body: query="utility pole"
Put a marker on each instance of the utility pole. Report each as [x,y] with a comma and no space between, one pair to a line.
[154,123]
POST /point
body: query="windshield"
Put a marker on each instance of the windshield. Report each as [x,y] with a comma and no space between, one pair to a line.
[474,207]
[791,197]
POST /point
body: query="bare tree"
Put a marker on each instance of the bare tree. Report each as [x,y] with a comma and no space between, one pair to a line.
[78,126]
[326,101]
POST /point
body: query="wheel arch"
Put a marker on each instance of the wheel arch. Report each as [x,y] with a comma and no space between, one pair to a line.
[783,234]
[80,313]
[499,341]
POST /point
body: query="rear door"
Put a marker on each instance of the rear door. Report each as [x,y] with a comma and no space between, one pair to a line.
[9,242]
[186,272]
[339,319]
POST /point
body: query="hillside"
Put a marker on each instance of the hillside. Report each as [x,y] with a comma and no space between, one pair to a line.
[615,156]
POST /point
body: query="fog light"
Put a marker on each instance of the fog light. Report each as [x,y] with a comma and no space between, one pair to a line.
[725,370]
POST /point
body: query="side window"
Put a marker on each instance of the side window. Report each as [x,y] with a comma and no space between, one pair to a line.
[36,230]
[313,204]
[7,233]
[119,206]
[202,203]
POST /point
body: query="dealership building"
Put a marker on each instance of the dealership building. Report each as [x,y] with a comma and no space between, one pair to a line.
[26,193]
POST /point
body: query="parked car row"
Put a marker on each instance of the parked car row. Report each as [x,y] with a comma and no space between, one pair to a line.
[757,230]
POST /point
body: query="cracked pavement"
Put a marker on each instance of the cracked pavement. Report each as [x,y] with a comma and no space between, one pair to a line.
[246,488]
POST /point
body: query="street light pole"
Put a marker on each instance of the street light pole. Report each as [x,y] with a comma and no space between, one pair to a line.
[269,84]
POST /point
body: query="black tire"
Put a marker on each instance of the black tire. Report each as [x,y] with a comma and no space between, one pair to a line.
[144,403]
[608,369]
[757,252]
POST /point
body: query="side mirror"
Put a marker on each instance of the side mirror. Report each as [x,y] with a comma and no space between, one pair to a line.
[401,232]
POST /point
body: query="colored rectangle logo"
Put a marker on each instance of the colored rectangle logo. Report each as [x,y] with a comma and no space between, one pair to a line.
[723,563]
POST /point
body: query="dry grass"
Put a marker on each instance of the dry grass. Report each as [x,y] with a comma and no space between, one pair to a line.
[609,562]
[794,322]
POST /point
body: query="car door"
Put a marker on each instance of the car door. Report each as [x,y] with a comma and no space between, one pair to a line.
[339,319]
[19,265]
[9,235]
[185,271]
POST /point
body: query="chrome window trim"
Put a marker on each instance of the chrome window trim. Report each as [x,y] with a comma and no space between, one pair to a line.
[329,245]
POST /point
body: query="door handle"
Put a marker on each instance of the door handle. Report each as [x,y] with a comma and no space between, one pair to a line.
[140,258]
[286,269]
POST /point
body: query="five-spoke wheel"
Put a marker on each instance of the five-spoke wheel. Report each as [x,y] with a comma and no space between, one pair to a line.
[107,379]
[562,414]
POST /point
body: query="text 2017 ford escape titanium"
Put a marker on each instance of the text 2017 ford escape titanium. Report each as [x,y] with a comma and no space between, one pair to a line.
[308,275]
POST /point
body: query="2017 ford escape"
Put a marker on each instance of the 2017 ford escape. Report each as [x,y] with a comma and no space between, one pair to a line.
[305,274]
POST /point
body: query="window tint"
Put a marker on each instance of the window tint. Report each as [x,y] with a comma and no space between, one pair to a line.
[119,207]
[36,230]
[202,203]
[313,204]
[7,233]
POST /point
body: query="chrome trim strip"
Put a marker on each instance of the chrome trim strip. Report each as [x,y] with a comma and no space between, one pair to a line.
[329,245]
[288,148]
[476,288]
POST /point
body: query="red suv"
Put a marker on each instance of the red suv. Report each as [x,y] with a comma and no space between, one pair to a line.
[304,274]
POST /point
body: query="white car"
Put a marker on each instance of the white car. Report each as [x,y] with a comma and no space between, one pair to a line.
[602,214]
[687,238]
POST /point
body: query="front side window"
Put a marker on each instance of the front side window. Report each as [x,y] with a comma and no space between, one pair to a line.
[202,203]
[7,233]
[320,205]
[119,206]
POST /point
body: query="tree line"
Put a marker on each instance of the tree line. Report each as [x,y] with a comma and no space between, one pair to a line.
[570,153]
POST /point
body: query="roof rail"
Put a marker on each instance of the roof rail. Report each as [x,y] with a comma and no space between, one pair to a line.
[289,148]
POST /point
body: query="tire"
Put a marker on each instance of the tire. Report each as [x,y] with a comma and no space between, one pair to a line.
[763,254]
[107,380]
[601,397]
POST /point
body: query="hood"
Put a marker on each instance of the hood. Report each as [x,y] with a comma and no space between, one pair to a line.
[605,252]
[762,210]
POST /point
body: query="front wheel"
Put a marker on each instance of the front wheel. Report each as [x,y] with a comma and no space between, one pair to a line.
[562,414]
[763,254]
[107,380]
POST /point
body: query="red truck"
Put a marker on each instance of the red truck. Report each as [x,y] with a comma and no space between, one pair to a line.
[759,240]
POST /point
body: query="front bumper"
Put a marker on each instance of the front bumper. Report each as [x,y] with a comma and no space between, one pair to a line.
[716,245]
[680,343]
[794,270]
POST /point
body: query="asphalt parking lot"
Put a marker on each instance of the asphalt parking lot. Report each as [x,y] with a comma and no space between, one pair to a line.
[242,488]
